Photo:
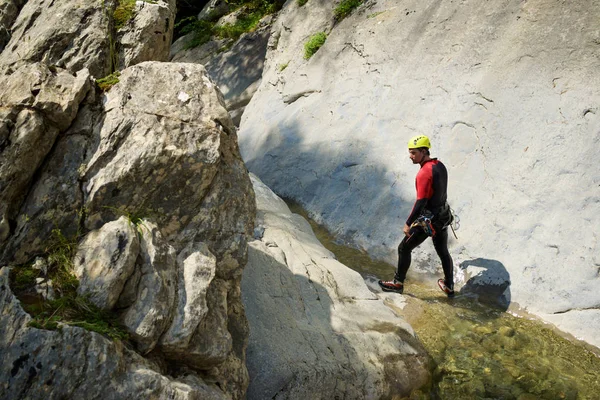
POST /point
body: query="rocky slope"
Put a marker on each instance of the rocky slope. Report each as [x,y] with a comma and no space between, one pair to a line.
[317,331]
[146,184]
[509,94]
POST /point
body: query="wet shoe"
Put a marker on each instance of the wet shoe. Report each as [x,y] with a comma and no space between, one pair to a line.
[391,286]
[445,288]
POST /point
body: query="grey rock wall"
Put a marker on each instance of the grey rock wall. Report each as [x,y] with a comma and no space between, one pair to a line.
[508,93]
[148,180]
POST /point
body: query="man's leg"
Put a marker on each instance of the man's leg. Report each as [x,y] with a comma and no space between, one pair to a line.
[440,242]
[407,245]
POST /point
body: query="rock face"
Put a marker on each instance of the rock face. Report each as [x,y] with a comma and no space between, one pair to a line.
[172,158]
[67,34]
[38,102]
[317,331]
[505,91]
[147,36]
[56,364]
[146,181]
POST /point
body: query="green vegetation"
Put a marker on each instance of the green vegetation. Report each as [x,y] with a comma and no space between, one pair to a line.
[313,44]
[124,11]
[250,13]
[302,2]
[68,307]
[108,81]
[345,8]
[135,217]
[283,66]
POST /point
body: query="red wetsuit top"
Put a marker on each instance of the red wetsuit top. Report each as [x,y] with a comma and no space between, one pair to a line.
[431,183]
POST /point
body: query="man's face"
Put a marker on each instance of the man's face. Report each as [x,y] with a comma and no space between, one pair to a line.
[416,155]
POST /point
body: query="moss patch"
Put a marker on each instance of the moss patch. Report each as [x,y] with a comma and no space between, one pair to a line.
[123,12]
[313,44]
[345,8]
[108,81]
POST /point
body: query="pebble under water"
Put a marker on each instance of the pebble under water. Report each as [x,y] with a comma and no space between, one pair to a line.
[480,352]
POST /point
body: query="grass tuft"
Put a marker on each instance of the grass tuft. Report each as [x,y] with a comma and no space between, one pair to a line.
[108,81]
[345,8]
[68,307]
[313,44]
[302,2]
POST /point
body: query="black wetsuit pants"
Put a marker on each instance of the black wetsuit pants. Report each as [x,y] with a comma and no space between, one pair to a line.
[418,236]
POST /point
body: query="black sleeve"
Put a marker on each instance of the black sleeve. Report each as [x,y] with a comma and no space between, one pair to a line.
[416,211]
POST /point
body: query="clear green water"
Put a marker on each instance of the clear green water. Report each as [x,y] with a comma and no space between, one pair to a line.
[480,352]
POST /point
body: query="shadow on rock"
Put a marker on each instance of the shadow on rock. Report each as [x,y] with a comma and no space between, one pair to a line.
[488,280]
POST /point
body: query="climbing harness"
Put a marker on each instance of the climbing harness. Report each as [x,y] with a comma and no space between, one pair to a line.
[425,224]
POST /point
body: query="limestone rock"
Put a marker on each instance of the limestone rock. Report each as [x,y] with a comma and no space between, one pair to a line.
[68,362]
[55,200]
[147,36]
[67,34]
[38,102]
[163,130]
[149,315]
[196,269]
[214,9]
[105,260]
[486,279]
[237,71]
[9,10]
[317,331]
[503,90]
[212,342]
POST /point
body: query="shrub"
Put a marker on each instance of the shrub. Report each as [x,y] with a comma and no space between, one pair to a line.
[313,44]
[345,8]
[302,2]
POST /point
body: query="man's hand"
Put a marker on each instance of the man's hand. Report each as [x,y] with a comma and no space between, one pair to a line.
[406,229]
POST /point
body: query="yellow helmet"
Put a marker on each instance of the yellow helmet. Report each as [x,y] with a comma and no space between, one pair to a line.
[419,141]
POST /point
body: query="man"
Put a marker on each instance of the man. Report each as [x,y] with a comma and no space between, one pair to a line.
[430,216]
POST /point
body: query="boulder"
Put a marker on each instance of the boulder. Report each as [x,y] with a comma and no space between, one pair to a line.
[147,36]
[105,261]
[316,330]
[214,9]
[160,146]
[196,267]
[155,286]
[71,35]
[157,151]
[503,91]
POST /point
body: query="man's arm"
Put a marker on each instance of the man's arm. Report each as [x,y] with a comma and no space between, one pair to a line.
[416,211]
[424,184]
